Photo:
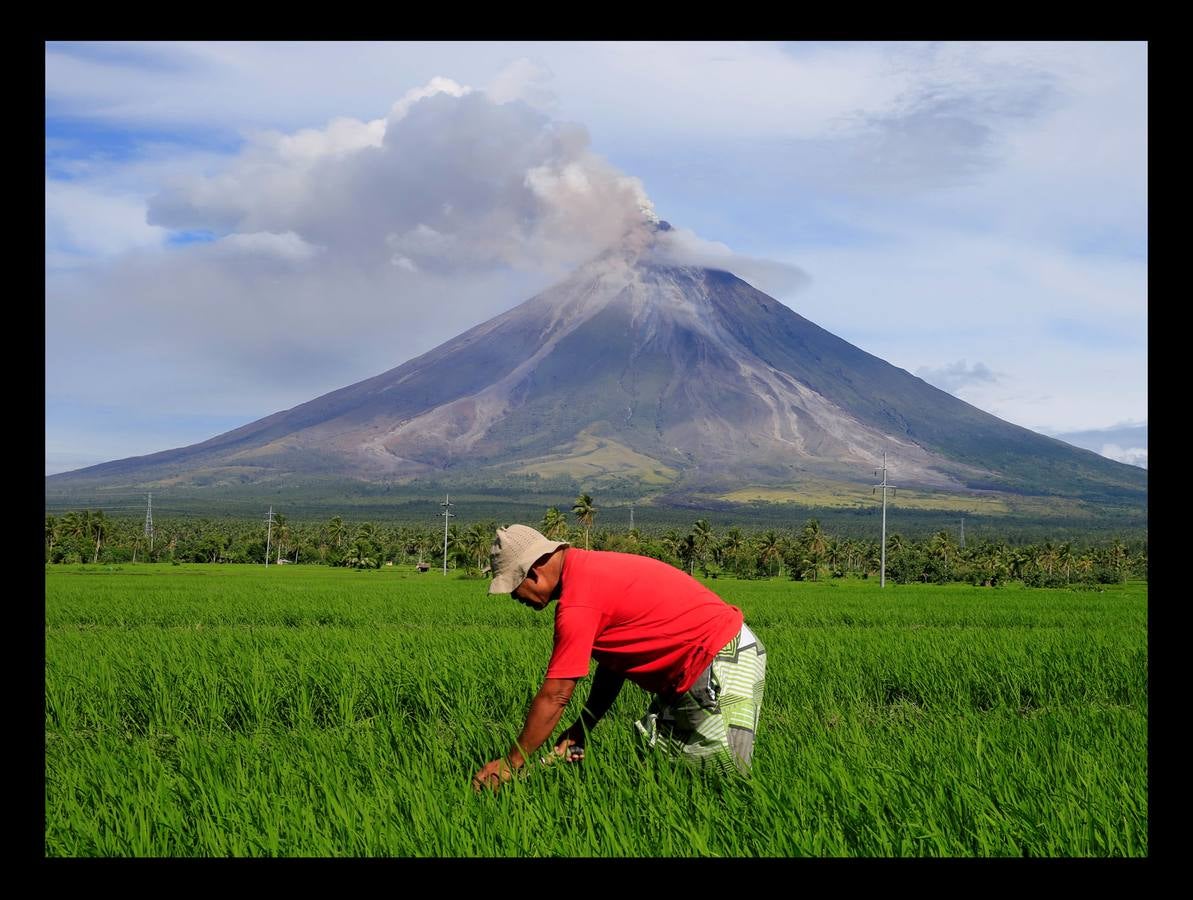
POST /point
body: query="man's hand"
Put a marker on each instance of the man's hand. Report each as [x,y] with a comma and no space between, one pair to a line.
[493,775]
[570,749]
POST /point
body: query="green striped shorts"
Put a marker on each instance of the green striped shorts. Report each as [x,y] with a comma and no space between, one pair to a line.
[712,725]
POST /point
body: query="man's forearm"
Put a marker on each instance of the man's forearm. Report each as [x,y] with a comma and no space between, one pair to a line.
[606,685]
[545,712]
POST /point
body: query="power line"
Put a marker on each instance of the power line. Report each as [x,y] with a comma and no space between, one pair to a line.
[883,484]
[149,521]
[447,514]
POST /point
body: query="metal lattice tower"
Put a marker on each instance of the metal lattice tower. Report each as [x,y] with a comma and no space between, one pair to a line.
[149,521]
[268,533]
[883,484]
[447,514]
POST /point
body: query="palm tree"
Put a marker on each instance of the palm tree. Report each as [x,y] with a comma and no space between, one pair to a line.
[335,530]
[815,546]
[76,524]
[555,524]
[358,555]
[477,540]
[731,546]
[1064,556]
[585,513]
[687,551]
[99,524]
[51,533]
[941,547]
[672,541]
[813,538]
[770,546]
[702,539]
[279,519]
[1046,557]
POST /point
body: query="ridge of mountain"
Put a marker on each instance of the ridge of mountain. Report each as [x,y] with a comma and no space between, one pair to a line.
[638,367]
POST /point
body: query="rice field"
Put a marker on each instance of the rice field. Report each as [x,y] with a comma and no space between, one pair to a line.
[305,711]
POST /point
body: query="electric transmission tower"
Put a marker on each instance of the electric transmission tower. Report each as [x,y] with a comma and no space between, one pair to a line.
[883,484]
[149,521]
[447,514]
[268,533]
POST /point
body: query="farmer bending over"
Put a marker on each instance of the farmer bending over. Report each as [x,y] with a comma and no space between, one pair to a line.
[641,620]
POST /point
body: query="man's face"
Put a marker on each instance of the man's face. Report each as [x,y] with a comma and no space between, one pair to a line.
[536,588]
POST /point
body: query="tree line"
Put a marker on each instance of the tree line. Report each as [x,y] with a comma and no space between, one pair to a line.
[807,553]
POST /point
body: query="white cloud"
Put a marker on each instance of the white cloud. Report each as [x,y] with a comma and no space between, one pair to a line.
[524,80]
[437,85]
[1134,456]
[286,245]
[957,375]
[83,221]
[340,137]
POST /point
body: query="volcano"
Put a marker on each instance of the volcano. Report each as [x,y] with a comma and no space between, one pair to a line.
[656,373]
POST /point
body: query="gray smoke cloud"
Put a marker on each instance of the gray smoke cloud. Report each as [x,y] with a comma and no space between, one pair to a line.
[449,181]
[343,251]
[683,247]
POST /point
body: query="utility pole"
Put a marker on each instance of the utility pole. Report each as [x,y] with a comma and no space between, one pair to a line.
[268,533]
[447,514]
[631,517]
[149,522]
[883,484]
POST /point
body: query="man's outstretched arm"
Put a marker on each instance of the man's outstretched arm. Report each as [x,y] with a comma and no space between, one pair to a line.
[546,709]
[606,685]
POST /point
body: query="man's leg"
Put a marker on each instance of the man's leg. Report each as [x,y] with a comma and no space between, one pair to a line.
[741,671]
[713,724]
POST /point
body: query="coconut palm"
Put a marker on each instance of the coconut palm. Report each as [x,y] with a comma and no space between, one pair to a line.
[477,540]
[99,526]
[358,555]
[585,513]
[1064,556]
[671,542]
[687,551]
[813,538]
[51,535]
[1046,557]
[702,539]
[555,524]
[730,549]
[769,546]
[814,544]
[283,532]
[335,531]
[941,547]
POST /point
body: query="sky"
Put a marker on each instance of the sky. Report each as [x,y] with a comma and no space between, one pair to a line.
[234,228]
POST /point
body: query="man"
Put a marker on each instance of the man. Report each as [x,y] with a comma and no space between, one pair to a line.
[643,621]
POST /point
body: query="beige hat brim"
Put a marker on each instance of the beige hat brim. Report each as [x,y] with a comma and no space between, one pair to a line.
[504,582]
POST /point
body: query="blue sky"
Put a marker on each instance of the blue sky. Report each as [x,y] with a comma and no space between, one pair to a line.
[235,228]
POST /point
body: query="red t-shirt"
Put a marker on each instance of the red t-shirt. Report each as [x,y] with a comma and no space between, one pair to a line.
[656,625]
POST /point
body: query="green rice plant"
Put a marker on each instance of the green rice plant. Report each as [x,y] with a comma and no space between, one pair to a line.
[305,711]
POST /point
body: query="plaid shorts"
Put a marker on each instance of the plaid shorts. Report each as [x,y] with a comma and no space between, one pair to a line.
[712,724]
